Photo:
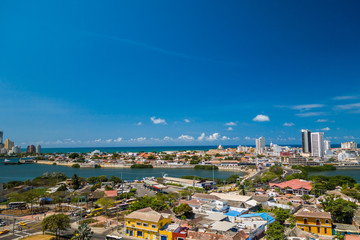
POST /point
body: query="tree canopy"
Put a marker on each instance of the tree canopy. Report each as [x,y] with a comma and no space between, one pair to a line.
[55,223]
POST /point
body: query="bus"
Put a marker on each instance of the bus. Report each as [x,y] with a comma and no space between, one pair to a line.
[17,205]
[113,237]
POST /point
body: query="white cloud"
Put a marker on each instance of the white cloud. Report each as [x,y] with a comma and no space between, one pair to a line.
[139,123]
[247,138]
[213,137]
[231,124]
[261,118]
[167,138]
[158,120]
[310,114]
[322,120]
[235,138]
[325,129]
[224,138]
[119,139]
[108,140]
[307,106]
[229,128]
[201,137]
[186,120]
[141,139]
[98,140]
[288,124]
[347,106]
[186,137]
[344,97]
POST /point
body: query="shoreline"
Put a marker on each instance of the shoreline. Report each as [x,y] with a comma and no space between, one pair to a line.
[241,169]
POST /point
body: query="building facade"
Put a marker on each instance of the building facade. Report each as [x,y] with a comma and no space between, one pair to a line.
[147,224]
[349,145]
[260,145]
[317,144]
[31,149]
[306,140]
[319,223]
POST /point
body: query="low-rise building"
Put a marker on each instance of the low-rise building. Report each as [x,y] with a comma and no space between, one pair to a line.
[295,186]
[319,223]
[147,223]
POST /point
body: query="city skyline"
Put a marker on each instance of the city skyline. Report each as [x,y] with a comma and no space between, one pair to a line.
[198,73]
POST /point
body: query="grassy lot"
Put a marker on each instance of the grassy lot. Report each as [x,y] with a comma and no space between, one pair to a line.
[39,237]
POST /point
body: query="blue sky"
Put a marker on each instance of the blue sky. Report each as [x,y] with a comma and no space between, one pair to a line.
[133,73]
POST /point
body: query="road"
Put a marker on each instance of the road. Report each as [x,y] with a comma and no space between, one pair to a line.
[20,231]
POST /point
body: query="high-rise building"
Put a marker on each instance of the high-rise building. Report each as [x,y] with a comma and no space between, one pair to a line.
[349,145]
[1,137]
[260,145]
[16,149]
[317,144]
[38,149]
[306,140]
[31,149]
[9,144]
[327,146]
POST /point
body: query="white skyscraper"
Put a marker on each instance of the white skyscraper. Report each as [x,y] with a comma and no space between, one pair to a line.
[317,144]
[327,146]
[260,145]
[38,149]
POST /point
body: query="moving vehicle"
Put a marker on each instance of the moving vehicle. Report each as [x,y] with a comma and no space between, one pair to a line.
[17,205]
[2,224]
[113,237]
[22,223]
[4,231]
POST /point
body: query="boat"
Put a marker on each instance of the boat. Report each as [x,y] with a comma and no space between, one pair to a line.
[7,161]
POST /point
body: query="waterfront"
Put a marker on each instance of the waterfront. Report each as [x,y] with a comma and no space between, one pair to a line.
[354,173]
[23,172]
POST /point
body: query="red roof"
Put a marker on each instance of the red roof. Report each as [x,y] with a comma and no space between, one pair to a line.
[293,184]
[352,237]
[111,193]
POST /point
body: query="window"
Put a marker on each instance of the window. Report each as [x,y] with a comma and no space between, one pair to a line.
[138,224]
[139,233]
[309,229]
[305,221]
[128,222]
[153,226]
[325,230]
[327,221]
[179,238]
[317,221]
[145,224]
[318,230]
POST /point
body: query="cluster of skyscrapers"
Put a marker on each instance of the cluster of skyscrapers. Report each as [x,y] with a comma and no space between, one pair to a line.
[8,147]
[314,143]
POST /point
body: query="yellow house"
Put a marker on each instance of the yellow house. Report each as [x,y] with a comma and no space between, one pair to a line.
[147,224]
[314,222]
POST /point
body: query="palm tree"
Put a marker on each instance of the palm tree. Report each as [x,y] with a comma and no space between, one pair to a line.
[83,232]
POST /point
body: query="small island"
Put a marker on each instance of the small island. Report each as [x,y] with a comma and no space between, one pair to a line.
[141,166]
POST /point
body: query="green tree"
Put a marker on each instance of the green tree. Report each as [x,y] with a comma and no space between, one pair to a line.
[55,223]
[114,179]
[76,182]
[75,165]
[341,210]
[183,210]
[281,215]
[74,155]
[83,232]
[105,203]
[275,231]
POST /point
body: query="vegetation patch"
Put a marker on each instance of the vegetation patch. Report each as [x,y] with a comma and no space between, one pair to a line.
[141,166]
